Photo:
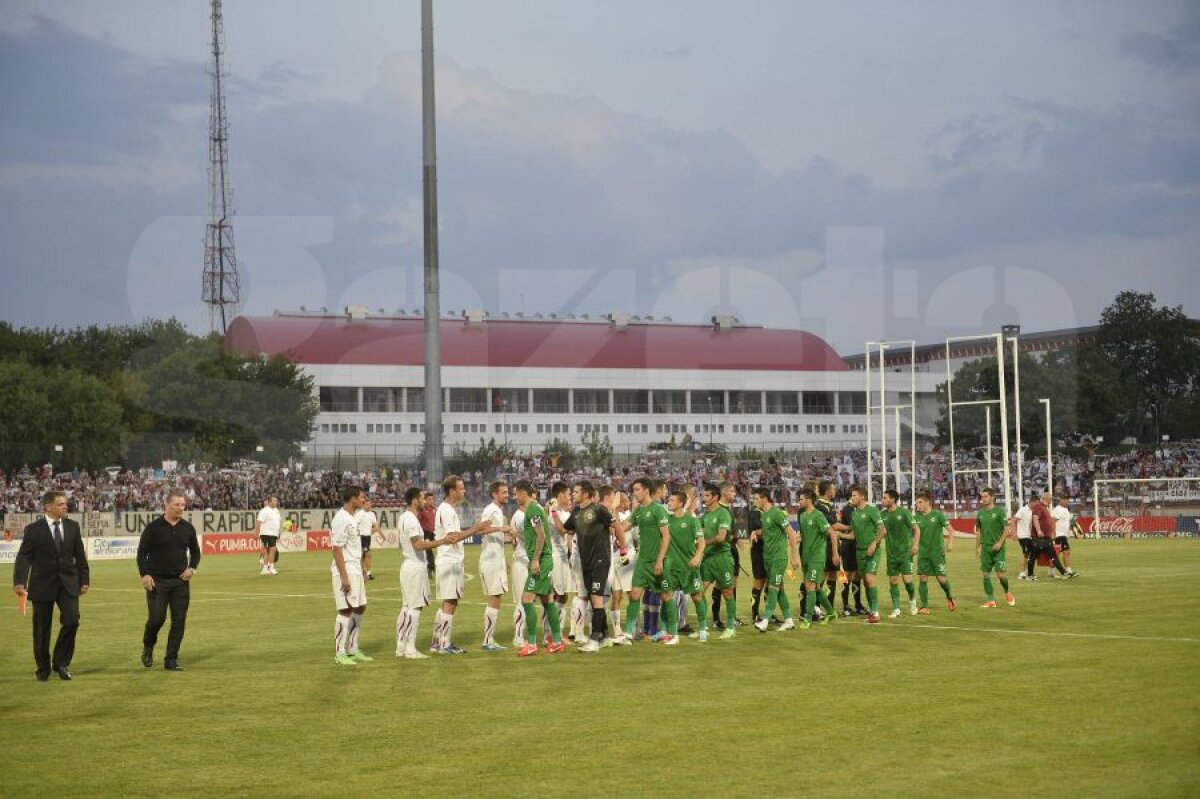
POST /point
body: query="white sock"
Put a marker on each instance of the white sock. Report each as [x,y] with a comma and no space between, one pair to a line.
[402,621]
[681,602]
[449,630]
[578,617]
[341,632]
[519,625]
[490,617]
[546,623]
[616,623]
[352,640]
[439,630]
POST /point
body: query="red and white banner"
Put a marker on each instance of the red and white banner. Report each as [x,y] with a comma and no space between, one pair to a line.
[229,543]
[1105,526]
[318,539]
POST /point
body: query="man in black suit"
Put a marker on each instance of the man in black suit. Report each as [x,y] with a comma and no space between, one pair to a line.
[52,568]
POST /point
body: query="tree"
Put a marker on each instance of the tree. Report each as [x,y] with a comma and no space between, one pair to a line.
[1156,352]
[596,449]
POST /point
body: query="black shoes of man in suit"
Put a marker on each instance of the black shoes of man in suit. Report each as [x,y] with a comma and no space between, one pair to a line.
[147,656]
[62,671]
[172,665]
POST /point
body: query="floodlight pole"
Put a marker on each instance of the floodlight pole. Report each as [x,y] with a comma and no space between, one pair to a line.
[1049,455]
[1017,413]
[433,306]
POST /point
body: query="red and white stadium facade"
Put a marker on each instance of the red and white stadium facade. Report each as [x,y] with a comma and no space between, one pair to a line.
[528,381]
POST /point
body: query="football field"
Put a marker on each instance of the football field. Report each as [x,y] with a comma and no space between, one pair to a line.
[1086,687]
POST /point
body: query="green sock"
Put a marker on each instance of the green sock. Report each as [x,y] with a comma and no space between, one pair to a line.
[924,591]
[772,601]
[809,600]
[634,611]
[785,604]
[1003,583]
[731,613]
[531,623]
[826,603]
[873,598]
[701,604]
[670,615]
[946,589]
[909,588]
[551,611]
[987,588]
[894,590]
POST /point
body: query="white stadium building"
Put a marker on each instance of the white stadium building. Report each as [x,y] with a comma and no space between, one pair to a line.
[529,380]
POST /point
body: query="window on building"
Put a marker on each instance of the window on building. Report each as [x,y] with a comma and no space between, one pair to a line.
[383,400]
[324,428]
[353,427]
[810,429]
[551,400]
[588,400]
[414,400]
[782,402]
[708,402]
[510,400]
[720,428]
[339,399]
[668,401]
[468,400]
[818,402]
[852,402]
[745,402]
[631,401]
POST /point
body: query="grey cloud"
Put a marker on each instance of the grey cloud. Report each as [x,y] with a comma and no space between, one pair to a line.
[1176,51]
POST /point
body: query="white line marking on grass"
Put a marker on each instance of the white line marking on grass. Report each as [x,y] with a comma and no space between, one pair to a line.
[1100,636]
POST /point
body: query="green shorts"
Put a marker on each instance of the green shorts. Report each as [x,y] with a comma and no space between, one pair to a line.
[992,561]
[932,565]
[541,584]
[684,579]
[899,564]
[868,565]
[775,571]
[813,562]
[645,578]
[718,569]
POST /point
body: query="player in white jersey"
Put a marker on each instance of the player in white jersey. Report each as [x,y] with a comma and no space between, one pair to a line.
[266,527]
[493,572]
[414,577]
[449,567]
[558,509]
[620,574]
[368,526]
[349,589]
[1024,520]
[1062,528]
[520,573]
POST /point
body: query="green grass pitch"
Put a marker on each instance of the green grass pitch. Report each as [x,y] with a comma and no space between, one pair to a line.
[1087,688]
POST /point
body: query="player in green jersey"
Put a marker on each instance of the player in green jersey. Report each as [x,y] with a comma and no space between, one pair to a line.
[717,566]
[935,541]
[992,528]
[650,574]
[684,556]
[817,539]
[541,562]
[903,538]
[869,532]
[779,554]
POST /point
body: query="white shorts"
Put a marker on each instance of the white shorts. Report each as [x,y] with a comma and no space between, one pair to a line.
[520,573]
[575,583]
[451,580]
[357,597]
[414,585]
[494,578]
[560,575]
[620,578]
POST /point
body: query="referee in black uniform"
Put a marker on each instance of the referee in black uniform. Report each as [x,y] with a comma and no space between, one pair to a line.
[826,492]
[167,557]
[591,523]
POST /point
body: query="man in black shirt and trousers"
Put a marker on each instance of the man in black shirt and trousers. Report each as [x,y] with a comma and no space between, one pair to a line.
[167,557]
[51,568]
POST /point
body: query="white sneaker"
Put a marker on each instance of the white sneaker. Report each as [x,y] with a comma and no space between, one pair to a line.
[761,625]
[273,569]
[912,607]
[413,654]
[788,624]
[590,646]
[895,614]
[624,640]
[1021,576]
[263,570]
[702,636]
[671,640]
[608,643]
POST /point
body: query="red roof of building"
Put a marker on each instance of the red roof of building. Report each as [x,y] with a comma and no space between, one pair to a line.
[393,341]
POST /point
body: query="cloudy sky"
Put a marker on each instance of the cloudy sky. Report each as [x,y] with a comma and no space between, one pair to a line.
[860,170]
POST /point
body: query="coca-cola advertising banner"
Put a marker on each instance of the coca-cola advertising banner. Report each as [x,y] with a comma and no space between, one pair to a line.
[1105,526]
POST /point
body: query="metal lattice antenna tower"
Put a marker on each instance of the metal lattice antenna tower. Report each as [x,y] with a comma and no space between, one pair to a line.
[222,291]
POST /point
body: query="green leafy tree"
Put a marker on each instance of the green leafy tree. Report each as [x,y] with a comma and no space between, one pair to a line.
[596,449]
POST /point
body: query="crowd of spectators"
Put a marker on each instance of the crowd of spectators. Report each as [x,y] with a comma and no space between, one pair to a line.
[248,485]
